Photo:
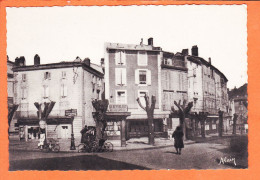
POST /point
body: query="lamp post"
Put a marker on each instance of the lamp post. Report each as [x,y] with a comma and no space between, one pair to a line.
[72,143]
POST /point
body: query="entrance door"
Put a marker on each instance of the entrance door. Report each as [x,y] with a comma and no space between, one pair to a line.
[64,132]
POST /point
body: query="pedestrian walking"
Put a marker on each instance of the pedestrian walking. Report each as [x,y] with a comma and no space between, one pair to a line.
[178,139]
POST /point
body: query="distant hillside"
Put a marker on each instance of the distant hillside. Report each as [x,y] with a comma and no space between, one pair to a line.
[238,92]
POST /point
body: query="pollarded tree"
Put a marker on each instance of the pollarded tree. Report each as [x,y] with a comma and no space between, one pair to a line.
[149,108]
[235,123]
[99,116]
[182,112]
[220,125]
[11,111]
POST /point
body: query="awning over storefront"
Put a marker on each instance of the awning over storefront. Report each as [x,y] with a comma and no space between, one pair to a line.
[117,115]
[35,121]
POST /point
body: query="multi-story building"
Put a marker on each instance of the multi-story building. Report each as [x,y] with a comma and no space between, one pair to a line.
[238,105]
[10,82]
[72,85]
[131,71]
[207,89]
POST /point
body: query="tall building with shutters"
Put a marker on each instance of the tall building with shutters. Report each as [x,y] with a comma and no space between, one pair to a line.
[131,71]
[72,85]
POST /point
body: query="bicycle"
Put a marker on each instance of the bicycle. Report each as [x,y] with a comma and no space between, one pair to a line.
[52,145]
[96,146]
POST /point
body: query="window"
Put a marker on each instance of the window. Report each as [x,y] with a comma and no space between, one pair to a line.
[45,92]
[121,97]
[142,77]
[64,91]
[141,95]
[120,58]
[142,58]
[23,93]
[47,75]
[120,76]
[24,77]
[63,74]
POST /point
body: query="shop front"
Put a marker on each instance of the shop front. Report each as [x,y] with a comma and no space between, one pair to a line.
[116,122]
[56,128]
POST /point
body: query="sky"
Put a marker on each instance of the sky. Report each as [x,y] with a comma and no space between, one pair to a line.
[62,33]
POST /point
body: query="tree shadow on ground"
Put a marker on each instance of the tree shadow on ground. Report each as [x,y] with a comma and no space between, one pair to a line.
[73,163]
[170,152]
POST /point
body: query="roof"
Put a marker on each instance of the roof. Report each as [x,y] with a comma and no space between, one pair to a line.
[96,67]
[238,93]
[132,47]
[200,60]
[69,64]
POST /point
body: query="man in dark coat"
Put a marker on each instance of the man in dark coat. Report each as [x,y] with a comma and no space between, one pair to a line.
[178,139]
[83,132]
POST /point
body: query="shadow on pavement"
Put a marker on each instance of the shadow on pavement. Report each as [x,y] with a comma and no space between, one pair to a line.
[73,163]
[170,152]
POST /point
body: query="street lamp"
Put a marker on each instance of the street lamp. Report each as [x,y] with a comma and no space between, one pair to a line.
[72,142]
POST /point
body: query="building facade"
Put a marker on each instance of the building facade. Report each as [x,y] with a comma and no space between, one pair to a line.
[131,71]
[71,85]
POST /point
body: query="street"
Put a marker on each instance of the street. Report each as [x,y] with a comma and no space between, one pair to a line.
[202,155]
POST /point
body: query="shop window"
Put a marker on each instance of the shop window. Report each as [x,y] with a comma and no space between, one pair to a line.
[142,58]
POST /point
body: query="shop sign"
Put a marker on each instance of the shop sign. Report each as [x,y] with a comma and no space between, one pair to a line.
[71,112]
[118,108]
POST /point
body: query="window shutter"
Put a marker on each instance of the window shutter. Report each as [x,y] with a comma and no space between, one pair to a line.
[25,93]
[149,78]
[123,57]
[61,90]
[123,71]
[136,76]
[117,57]
[47,91]
[118,76]
[65,91]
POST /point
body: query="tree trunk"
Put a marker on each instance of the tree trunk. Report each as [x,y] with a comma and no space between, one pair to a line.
[235,124]
[220,128]
[203,128]
[98,130]
[150,129]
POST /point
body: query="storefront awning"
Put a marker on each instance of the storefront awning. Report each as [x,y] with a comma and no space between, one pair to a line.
[35,121]
[117,115]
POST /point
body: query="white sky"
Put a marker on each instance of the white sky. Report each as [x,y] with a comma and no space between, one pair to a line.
[63,33]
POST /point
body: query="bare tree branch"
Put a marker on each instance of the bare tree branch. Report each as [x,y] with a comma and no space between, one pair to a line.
[178,106]
[140,104]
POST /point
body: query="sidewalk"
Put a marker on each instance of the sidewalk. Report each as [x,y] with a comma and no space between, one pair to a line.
[132,144]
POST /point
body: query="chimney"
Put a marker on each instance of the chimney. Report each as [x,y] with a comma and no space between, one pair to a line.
[37,60]
[150,41]
[141,43]
[185,52]
[209,60]
[20,61]
[87,61]
[195,51]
